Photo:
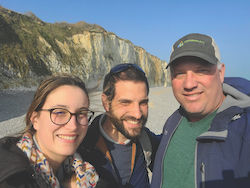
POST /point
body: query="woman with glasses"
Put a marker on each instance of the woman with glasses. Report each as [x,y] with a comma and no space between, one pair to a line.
[44,155]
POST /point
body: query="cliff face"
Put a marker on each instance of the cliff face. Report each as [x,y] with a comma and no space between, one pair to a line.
[31,49]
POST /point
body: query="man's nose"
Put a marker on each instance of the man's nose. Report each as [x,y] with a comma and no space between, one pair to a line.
[190,80]
[136,111]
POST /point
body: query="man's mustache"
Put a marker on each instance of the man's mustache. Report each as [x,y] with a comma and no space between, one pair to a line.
[141,120]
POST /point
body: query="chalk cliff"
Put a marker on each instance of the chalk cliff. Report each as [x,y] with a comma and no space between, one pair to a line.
[31,49]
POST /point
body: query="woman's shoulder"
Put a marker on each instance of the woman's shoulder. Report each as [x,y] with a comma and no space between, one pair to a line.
[9,151]
[11,156]
[7,143]
[13,162]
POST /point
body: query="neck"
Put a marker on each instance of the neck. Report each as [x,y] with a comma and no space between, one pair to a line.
[55,164]
[112,131]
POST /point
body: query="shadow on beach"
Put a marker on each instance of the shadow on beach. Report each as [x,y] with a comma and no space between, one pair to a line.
[14,103]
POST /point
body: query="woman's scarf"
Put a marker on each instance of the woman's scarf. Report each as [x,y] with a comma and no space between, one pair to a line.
[86,176]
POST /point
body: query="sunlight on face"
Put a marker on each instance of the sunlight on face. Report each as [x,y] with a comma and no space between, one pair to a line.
[59,141]
[129,108]
[197,86]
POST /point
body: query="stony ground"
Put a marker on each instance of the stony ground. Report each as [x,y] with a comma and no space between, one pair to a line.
[14,104]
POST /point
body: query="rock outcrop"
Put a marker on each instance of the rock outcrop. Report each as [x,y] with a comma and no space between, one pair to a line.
[31,49]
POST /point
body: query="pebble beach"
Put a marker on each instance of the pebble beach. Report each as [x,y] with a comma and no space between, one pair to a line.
[14,104]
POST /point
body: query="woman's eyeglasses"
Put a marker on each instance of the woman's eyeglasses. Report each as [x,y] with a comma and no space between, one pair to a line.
[122,67]
[61,116]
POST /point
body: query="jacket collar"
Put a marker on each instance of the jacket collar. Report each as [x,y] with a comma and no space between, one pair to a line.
[13,160]
[219,127]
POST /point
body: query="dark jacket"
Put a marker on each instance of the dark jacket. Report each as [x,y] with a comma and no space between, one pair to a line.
[222,155]
[107,176]
[15,168]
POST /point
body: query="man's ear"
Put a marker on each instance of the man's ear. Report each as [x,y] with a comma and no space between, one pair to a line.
[105,102]
[34,120]
[222,72]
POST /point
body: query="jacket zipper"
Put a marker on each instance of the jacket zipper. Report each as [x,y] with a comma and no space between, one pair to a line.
[113,168]
[202,170]
[195,166]
[162,166]
[132,171]
[116,177]
[202,175]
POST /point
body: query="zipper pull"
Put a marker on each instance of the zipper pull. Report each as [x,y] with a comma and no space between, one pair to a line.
[202,169]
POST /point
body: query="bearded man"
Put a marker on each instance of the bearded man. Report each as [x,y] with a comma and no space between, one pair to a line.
[118,144]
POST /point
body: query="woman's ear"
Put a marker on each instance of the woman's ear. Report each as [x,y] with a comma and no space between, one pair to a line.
[33,119]
[105,102]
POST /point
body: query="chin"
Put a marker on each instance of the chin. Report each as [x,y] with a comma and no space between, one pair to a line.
[135,133]
[193,109]
[68,151]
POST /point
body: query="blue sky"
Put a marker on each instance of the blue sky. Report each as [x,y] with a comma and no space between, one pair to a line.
[156,25]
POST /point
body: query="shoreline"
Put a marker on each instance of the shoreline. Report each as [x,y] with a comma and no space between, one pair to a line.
[15,103]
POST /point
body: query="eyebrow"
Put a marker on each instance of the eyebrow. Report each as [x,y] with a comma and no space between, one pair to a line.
[83,108]
[124,100]
[65,106]
[129,100]
[145,100]
[60,105]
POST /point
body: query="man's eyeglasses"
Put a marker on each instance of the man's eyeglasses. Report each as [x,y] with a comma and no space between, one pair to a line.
[122,67]
[61,116]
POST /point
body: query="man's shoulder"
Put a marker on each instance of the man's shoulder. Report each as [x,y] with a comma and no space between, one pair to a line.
[238,122]
[247,111]
[95,123]
[92,135]
[242,84]
[146,132]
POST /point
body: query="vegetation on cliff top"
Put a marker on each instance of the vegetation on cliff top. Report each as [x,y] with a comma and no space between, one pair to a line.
[31,49]
[19,47]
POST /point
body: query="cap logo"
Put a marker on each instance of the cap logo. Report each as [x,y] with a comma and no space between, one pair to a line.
[180,44]
[190,40]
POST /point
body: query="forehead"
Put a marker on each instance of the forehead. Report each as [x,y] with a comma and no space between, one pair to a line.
[67,94]
[190,62]
[130,89]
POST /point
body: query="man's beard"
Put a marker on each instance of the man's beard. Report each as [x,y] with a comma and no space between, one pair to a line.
[118,123]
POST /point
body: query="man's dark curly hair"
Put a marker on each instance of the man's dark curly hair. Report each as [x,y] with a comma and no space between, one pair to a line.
[131,73]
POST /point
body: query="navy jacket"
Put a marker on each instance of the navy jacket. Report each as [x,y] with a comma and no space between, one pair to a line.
[107,176]
[15,168]
[222,158]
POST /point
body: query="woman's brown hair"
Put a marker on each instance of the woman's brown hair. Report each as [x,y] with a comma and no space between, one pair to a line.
[45,88]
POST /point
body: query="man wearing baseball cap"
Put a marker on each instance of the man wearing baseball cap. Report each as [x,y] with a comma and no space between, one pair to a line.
[206,142]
